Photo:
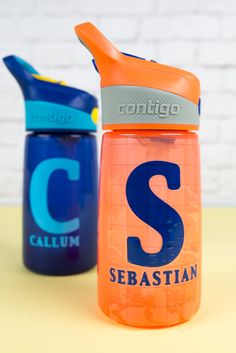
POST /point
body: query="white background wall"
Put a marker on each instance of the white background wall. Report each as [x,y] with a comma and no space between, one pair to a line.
[198,35]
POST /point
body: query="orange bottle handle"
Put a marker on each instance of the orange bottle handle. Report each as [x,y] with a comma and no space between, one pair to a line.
[116,68]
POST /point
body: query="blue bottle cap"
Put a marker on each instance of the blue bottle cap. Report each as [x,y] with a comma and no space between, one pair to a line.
[51,105]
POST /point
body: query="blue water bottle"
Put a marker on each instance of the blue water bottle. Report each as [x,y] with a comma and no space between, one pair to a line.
[60,174]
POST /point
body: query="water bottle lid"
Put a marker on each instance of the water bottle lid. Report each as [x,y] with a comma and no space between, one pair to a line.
[52,105]
[141,94]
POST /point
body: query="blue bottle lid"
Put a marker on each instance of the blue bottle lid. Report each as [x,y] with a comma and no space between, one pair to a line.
[51,105]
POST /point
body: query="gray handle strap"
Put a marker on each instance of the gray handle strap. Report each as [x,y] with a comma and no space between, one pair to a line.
[138,105]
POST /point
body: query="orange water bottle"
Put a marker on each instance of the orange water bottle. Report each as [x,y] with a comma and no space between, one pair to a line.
[149,258]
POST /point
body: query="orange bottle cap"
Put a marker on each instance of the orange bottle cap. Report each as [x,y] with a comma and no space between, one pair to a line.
[141,94]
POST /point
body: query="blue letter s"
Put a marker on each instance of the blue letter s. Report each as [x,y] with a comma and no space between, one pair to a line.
[38,194]
[155,212]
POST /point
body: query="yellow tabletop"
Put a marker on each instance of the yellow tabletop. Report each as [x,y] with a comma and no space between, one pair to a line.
[59,314]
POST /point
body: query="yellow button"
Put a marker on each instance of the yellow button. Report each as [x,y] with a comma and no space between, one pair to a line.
[94,115]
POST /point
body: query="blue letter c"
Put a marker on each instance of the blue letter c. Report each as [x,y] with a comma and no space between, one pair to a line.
[38,194]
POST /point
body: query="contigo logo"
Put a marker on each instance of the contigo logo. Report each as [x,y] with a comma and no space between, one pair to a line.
[58,119]
[163,110]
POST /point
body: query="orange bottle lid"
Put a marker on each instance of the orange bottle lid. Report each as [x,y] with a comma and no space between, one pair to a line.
[141,94]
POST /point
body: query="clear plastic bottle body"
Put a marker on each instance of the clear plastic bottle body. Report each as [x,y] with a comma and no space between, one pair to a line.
[60,203]
[149,245]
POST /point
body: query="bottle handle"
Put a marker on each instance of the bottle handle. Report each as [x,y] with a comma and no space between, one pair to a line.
[103,51]
[20,69]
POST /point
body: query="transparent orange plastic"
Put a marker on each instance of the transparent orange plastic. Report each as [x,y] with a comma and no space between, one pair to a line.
[138,295]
